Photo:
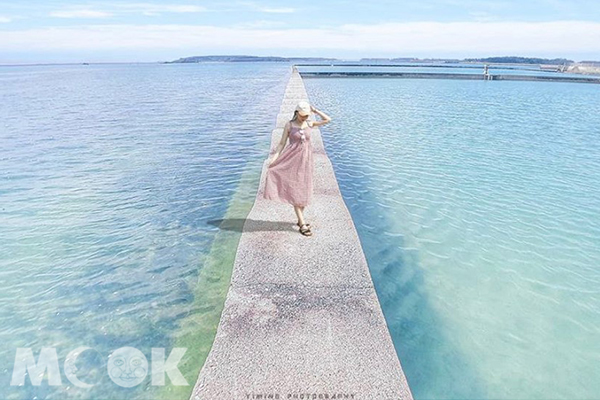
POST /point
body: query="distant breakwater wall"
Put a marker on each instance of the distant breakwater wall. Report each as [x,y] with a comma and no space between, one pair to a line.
[417,75]
[520,67]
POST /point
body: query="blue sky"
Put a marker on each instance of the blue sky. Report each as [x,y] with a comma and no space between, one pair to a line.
[95,31]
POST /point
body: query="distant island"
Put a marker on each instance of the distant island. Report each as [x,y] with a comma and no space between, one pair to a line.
[199,59]
[556,64]
[494,60]
[491,60]
[521,60]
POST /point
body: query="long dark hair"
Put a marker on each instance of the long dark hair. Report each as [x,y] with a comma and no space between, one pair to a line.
[295,117]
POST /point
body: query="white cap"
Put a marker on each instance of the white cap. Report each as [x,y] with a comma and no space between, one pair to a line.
[303,108]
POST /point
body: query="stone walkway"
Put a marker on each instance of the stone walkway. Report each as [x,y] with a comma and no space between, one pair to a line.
[301,317]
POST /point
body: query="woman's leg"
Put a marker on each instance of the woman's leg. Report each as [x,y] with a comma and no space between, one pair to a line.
[299,214]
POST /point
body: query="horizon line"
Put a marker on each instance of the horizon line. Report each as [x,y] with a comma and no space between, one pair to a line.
[26,64]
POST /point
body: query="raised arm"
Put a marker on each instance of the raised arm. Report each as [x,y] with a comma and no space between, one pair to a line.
[325,118]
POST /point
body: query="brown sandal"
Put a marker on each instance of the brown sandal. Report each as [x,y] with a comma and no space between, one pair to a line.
[298,223]
[306,231]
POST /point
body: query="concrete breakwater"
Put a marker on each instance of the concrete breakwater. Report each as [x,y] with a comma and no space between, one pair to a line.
[301,318]
[417,75]
[521,67]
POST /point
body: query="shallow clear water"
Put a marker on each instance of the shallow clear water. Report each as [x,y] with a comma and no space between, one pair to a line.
[478,207]
[113,181]
[477,204]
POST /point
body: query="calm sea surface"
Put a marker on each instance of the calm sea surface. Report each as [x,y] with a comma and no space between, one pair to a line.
[477,204]
[478,207]
[110,176]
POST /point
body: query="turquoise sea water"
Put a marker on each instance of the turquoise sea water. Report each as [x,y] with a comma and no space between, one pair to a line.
[112,181]
[478,207]
[477,204]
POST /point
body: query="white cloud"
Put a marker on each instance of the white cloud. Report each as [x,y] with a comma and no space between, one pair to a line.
[156,9]
[4,20]
[277,10]
[116,8]
[482,16]
[464,39]
[261,8]
[260,24]
[80,14]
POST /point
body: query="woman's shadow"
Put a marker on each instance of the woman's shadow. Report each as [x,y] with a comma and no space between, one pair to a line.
[250,225]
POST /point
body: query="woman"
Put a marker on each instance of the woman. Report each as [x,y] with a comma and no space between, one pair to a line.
[290,173]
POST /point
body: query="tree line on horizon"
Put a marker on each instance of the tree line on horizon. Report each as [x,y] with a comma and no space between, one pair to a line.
[521,60]
[499,60]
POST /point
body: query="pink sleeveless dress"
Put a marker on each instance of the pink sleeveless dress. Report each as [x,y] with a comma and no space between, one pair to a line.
[290,178]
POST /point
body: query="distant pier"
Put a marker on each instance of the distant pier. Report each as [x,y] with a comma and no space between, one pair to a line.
[437,75]
[520,67]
